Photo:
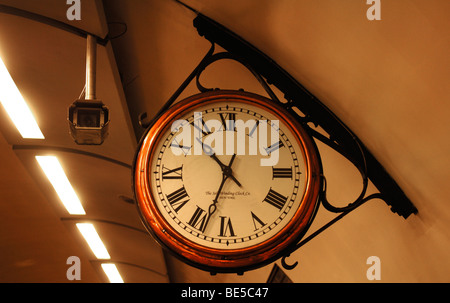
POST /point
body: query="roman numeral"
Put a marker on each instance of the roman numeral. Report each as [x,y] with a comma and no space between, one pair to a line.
[273,147]
[176,173]
[205,130]
[225,226]
[198,219]
[257,221]
[228,120]
[275,199]
[282,173]
[250,134]
[176,197]
[184,149]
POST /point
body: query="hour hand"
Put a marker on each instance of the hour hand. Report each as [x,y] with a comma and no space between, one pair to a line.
[226,169]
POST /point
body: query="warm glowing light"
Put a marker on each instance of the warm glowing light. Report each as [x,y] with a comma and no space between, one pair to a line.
[93,239]
[16,107]
[55,174]
[112,273]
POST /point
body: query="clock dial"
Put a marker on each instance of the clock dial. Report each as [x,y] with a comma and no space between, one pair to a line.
[227,180]
[247,212]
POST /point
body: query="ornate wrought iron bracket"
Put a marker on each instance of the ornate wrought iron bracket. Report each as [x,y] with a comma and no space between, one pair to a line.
[298,97]
[307,109]
[340,137]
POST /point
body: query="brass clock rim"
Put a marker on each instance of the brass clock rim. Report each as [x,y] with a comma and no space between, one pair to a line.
[213,257]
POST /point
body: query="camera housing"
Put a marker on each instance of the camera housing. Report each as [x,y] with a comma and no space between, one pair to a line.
[88,121]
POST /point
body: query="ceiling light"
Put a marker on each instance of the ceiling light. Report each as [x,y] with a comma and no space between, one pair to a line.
[16,107]
[55,174]
[112,273]
[93,239]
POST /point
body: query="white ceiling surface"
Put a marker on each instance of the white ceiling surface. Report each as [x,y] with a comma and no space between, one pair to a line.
[387,80]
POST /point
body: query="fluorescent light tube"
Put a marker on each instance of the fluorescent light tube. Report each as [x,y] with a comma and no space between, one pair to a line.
[55,174]
[93,239]
[112,273]
[16,107]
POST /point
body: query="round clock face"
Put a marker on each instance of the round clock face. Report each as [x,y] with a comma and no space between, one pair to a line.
[226,175]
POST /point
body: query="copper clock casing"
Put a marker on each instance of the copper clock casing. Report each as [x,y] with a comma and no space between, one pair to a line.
[230,260]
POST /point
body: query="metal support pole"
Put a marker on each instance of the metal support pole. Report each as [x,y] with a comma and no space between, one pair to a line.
[91,60]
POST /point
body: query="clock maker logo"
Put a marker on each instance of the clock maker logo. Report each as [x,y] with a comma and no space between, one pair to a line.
[230,195]
[241,137]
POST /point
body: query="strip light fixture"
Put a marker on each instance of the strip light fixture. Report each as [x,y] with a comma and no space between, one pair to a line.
[16,107]
[112,273]
[20,114]
[57,177]
[93,240]
[99,249]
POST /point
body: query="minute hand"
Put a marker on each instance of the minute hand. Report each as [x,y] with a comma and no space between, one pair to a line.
[225,169]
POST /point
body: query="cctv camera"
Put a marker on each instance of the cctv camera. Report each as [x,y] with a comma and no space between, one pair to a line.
[88,122]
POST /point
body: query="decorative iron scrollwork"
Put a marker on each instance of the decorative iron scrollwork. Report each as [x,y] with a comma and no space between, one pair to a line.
[307,109]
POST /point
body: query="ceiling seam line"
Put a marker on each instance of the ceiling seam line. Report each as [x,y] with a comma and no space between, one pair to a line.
[103,221]
[51,22]
[70,150]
